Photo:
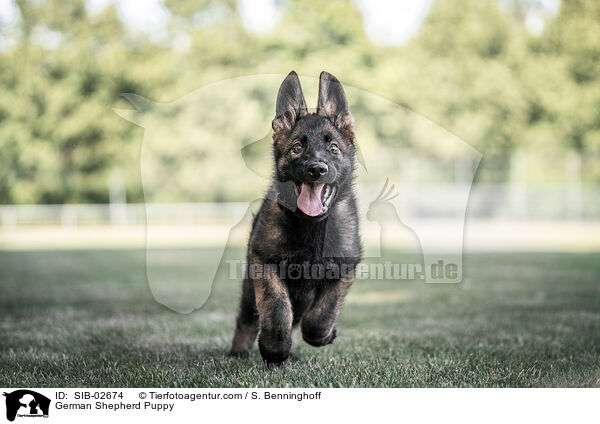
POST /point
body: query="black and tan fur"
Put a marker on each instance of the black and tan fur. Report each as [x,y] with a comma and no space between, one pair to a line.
[271,307]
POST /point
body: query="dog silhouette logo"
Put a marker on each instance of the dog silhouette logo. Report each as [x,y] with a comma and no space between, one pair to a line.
[26,403]
[215,164]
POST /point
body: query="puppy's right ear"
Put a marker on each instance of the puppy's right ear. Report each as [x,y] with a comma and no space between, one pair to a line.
[290,104]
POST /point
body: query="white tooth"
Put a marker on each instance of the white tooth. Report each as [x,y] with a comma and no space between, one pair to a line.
[328,201]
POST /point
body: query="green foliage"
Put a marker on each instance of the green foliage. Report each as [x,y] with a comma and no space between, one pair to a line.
[473,69]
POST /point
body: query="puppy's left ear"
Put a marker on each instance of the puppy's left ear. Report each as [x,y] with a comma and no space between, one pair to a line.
[332,104]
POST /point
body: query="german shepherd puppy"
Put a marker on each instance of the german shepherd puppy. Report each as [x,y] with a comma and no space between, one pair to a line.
[304,244]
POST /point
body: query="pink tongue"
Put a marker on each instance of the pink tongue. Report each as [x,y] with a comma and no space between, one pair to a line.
[309,200]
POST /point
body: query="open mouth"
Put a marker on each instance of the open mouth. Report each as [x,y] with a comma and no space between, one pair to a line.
[314,199]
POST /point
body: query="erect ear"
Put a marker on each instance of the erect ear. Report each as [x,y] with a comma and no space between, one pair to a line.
[290,104]
[333,104]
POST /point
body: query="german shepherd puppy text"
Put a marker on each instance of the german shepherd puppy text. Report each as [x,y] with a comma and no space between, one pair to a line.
[309,216]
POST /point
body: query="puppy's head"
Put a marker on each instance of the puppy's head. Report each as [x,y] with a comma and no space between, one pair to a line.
[313,151]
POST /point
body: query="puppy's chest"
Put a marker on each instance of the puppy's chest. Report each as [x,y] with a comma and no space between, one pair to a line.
[300,246]
[293,244]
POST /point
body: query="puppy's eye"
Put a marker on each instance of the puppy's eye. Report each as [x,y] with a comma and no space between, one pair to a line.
[297,148]
[334,148]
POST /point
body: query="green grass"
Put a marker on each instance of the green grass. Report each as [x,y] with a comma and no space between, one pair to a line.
[87,318]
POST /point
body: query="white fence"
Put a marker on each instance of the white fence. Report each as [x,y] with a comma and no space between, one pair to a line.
[504,201]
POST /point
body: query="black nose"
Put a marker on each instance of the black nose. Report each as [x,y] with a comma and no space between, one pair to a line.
[317,169]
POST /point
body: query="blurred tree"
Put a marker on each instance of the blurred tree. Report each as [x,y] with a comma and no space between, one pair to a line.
[473,68]
[463,70]
[60,138]
[573,43]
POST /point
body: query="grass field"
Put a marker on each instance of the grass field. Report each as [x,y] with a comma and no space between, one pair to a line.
[87,318]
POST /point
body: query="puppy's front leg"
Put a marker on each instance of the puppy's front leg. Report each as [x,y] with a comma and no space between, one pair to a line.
[318,325]
[275,318]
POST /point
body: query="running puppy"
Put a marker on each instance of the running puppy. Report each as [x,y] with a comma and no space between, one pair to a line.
[304,243]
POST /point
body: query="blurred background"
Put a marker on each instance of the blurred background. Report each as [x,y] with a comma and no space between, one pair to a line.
[518,80]
[101,216]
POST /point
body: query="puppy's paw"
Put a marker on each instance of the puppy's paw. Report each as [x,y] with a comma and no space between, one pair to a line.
[274,351]
[274,356]
[313,339]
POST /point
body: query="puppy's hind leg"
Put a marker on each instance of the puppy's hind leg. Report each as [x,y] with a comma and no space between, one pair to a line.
[246,328]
